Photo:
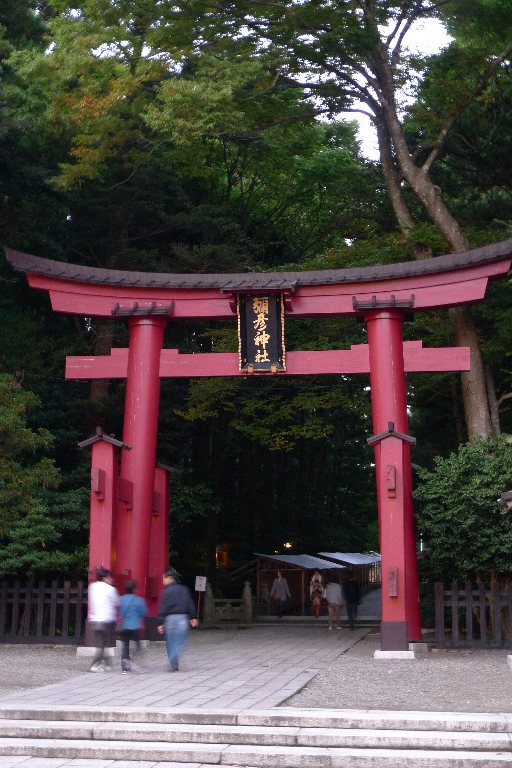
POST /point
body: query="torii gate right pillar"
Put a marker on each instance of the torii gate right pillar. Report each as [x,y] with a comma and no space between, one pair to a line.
[400,591]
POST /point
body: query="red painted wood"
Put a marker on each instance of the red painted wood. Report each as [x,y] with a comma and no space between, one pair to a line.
[140,431]
[433,290]
[159,541]
[354,360]
[101,533]
[396,522]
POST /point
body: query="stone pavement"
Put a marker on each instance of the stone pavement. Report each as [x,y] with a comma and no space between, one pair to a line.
[259,667]
[246,674]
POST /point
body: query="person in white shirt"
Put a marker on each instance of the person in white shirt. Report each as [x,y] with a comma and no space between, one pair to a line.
[334,603]
[103,603]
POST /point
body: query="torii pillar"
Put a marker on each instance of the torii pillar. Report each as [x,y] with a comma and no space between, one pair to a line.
[400,598]
[140,431]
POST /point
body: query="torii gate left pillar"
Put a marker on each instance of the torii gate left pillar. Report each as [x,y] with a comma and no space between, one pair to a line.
[140,431]
[401,621]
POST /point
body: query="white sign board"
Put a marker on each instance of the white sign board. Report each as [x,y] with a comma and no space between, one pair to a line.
[200,583]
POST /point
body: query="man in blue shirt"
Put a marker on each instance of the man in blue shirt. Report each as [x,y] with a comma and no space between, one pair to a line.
[132,610]
[177,612]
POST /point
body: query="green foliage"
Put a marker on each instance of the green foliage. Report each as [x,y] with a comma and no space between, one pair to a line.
[28,534]
[469,534]
[23,472]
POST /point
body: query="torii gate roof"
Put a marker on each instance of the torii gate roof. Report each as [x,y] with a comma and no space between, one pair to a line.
[438,282]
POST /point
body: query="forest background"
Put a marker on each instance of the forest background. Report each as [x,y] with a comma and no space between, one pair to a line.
[220,137]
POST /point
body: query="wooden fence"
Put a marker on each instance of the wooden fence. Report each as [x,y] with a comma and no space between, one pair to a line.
[471,616]
[42,613]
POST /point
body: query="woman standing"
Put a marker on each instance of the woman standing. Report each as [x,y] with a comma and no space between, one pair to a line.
[280,591]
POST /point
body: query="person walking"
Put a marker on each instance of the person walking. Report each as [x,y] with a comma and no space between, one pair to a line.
[316,592]
[177,613]
[103,602]
[351,593]
[334,603]
[279,592]
[132,610]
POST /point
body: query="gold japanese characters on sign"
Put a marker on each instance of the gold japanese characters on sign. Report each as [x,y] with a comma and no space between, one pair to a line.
[261,332]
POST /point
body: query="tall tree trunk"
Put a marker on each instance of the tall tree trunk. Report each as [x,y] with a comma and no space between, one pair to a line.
[460,426]
[474,390]
[493,401]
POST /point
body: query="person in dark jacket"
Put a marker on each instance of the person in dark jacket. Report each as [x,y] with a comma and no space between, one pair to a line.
[177,612]
[352,596]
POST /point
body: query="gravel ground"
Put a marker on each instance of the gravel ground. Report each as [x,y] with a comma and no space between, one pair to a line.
[29,666]
[458,681]
[444,681]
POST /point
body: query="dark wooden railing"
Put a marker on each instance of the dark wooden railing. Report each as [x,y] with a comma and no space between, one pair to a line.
[42,613]
[469,616]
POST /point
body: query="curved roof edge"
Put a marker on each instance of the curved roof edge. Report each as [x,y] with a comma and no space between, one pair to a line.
[246,281]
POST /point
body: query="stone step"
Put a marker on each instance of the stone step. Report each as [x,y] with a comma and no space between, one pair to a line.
[250,755]
[277,717]
[283,736]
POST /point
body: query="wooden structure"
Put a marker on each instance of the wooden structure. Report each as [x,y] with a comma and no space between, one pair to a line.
[469,616]
[365,567]
[383,297]
[42,613]
[297,570]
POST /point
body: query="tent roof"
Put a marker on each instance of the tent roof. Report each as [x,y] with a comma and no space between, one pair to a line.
[309,562]
[353,558]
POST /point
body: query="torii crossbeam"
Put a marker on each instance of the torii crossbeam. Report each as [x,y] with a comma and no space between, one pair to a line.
[132,509]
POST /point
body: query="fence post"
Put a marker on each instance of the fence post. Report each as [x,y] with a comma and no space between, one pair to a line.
[40,609]
[28,608]
[483,613]
[439,613]
[509,603]
[469,611]
[65,608]
[208,606]
[496,599]
[15,608]
[247,602]
[455,612]
[53,608]
[3,607]
[78,609]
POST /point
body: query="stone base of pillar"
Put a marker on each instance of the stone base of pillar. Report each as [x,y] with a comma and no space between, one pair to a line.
[394,636]
[404,655]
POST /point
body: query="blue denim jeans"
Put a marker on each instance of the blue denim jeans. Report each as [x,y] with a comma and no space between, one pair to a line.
[176,632]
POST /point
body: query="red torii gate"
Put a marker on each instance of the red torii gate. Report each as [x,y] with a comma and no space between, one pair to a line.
[129,524]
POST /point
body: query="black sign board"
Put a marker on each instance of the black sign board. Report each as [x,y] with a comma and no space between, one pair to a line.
[261,332]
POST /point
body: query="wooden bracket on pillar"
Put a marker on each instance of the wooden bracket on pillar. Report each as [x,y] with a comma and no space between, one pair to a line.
[392,303]
[98,482]
[233,302]
[391,480]
[393,582]
[286,293]
[125,492]
[391,432]
[141,310]
[288,301]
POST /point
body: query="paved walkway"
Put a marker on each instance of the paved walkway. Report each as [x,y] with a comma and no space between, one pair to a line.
[221,669]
